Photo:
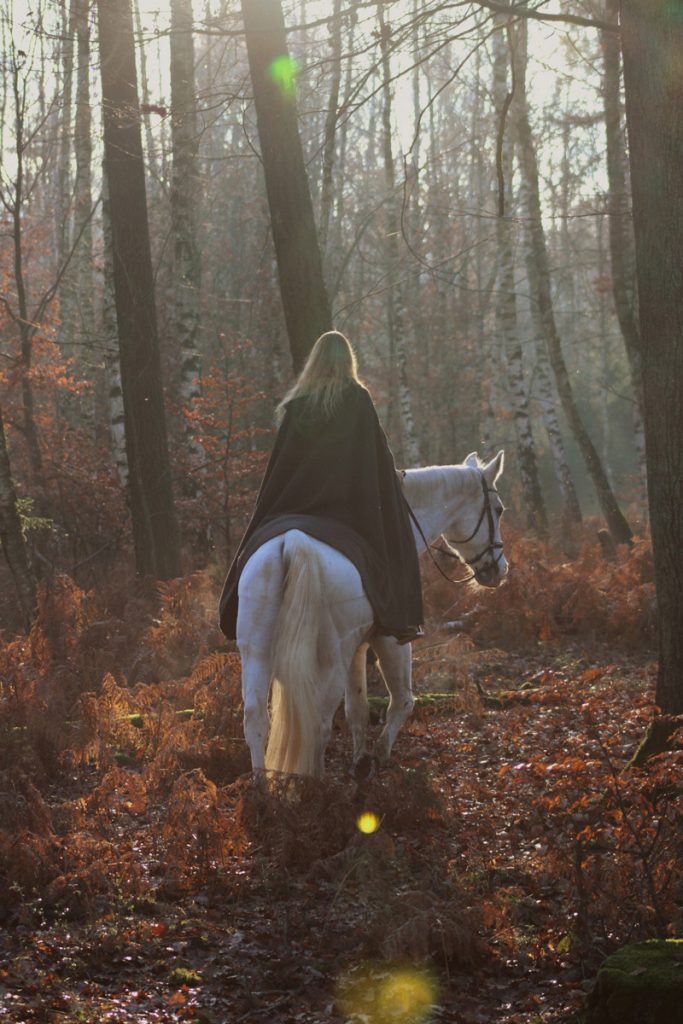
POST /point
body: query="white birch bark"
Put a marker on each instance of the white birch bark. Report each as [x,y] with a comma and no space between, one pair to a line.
[540,285]
[395,303]
[151,154]
[83,253]
[185,193]
[622,246]
[112,365]
[506,298]
[329,144]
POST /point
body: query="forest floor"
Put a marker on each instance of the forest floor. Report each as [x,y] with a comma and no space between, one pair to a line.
[482,876]
[498,875]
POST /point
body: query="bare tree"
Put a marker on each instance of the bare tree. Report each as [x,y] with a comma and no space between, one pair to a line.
[110,341]
[396,312]
[621,243]
[155,531]
[506,297]
[273,75]
[541,296]
[83,253]
[185,196]
[11,537]
[13,199]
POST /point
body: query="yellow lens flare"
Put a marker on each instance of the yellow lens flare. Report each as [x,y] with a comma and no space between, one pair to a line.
[283,71]
[368,823]
[378,995]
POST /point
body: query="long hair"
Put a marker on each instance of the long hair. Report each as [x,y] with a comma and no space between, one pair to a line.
[330,366]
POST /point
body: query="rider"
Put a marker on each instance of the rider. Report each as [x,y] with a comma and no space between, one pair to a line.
[331,474]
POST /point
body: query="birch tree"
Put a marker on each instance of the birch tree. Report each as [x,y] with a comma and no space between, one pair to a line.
[185,196]
[396,313]
[110,341]
[541,296]
[83,254]
[621,243]
[506,298]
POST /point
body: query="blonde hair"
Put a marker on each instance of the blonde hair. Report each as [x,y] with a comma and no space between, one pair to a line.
[330,366]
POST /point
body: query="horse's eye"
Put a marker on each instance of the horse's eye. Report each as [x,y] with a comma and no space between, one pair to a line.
[499,511]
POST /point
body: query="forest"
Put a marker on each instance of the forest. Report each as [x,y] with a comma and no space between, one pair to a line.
[486,198]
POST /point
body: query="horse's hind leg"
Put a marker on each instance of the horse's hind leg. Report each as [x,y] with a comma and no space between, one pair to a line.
[395,663]
[356,703]
[260,597]
[256,676]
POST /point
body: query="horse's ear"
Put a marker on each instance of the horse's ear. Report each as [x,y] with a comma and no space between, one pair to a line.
[494,468]
[472,460]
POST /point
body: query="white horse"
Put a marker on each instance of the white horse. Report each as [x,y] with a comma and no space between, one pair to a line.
[304,623]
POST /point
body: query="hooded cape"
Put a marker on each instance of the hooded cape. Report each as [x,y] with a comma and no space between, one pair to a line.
[335,479]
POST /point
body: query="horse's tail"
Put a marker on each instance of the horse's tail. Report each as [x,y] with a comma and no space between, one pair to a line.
[299,638]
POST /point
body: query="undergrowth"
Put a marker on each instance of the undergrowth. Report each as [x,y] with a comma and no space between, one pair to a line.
[547,597]
[124,775]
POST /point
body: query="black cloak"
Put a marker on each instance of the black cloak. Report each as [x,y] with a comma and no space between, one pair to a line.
[335,480]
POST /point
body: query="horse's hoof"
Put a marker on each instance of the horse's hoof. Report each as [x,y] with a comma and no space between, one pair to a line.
[365,768]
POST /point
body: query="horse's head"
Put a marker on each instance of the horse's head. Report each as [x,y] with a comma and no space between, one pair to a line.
[478,522]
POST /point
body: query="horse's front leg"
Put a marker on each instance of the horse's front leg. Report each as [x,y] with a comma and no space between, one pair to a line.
[395,663]
[356,703]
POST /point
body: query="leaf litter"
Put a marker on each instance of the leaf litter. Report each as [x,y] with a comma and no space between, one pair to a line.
[146,877]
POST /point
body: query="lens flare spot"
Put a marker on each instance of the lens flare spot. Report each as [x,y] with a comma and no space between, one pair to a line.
[406,996]
[283,72]
[368,823]
[377,995]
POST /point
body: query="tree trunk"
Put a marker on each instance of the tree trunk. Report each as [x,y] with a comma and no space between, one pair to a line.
[155,531]
[83,255]
[334,258]
[11,538]
[63,190]
[621,245]
[112,363]
[185,193]
[304,299]
[571,510]
[151,155]
[652,40]
[24,321]
[329,143]
[506,300]
[541,296]
[396,314]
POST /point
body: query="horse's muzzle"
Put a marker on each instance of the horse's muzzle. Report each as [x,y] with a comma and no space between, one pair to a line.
[491,575]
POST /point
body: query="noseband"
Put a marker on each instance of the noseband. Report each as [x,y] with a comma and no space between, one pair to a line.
[494,547]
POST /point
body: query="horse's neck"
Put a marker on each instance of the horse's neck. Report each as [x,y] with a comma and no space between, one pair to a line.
[437,495]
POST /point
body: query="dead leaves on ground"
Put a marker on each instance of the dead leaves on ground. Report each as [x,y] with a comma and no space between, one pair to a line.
[147,878]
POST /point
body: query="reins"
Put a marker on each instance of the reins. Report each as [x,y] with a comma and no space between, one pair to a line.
[490,547]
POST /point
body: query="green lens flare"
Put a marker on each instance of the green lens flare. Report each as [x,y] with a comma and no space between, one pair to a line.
[283,72]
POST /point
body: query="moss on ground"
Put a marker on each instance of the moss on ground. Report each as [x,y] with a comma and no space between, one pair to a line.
[640,984]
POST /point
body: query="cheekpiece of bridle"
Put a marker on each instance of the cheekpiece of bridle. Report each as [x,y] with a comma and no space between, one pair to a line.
[493,548]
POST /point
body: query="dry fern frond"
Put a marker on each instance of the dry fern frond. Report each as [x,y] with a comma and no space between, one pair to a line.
[120,791]
[421,925]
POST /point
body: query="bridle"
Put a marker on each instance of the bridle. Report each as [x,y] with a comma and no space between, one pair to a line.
[493,548]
